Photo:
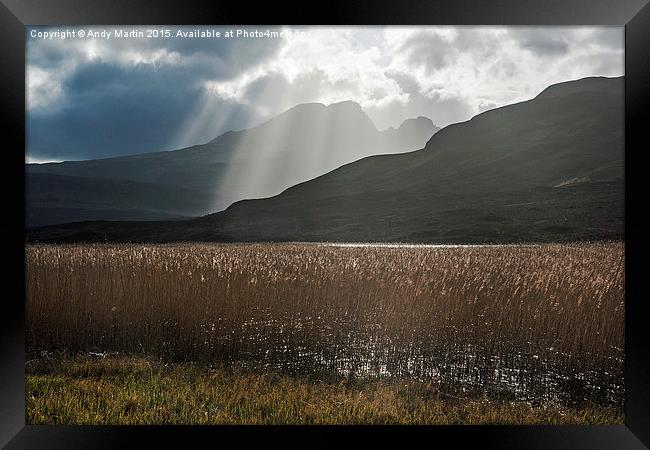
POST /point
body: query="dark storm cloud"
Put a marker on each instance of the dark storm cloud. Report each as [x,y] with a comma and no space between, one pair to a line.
[114,111]
[111,106]
[210,57]
[223,58]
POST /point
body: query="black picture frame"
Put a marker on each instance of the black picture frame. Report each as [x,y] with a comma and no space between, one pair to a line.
[633,14]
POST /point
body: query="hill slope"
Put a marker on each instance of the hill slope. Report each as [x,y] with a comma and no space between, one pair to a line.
[301,143]
[547,169]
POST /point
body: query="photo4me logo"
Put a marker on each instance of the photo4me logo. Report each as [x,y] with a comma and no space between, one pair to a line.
[165,33]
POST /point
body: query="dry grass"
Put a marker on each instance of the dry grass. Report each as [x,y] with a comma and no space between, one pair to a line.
[119,390]
[543,323]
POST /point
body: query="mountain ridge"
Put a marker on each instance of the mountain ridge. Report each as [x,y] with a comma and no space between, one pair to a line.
[496,178]
[229,167]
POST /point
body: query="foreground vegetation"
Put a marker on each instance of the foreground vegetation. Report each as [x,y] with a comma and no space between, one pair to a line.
[126,390]
[539,324]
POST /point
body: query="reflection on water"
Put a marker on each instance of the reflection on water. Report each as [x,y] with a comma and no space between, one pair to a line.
[406,245]
[283,346]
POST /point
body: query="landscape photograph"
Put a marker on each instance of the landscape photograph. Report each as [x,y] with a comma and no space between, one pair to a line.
[324,225]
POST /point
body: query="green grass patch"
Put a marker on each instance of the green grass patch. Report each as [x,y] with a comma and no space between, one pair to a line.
[131,390]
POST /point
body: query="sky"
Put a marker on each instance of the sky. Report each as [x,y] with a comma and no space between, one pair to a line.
[104,95]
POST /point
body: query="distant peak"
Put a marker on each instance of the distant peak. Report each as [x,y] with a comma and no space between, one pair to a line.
[420,123]
[418,120]
[228,134]
[310,105]
[348,104]
[347,109]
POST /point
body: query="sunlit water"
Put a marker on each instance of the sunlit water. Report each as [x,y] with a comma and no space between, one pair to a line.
[406,245]
[457,369]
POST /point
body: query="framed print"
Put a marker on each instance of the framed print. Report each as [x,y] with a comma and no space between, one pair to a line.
[372,222]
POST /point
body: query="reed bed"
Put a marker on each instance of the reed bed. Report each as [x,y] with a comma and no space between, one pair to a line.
[540,323]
